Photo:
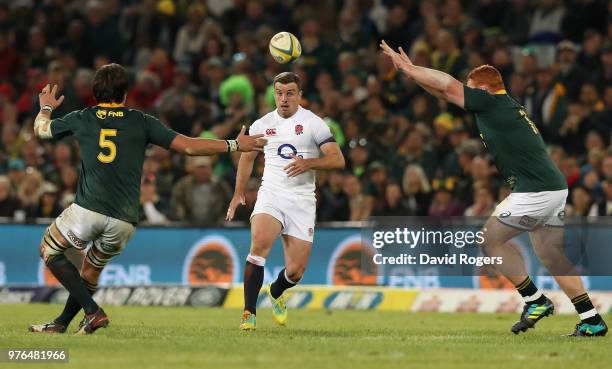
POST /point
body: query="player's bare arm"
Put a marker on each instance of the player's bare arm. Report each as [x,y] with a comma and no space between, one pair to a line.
[204,146]
[437,83]
[245,168]
[332,159]
[48,102]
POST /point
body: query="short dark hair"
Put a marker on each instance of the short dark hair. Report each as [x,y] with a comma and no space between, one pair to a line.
[286,78]
[110,83]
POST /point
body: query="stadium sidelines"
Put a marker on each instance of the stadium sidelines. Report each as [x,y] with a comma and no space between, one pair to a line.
[433,300]
[453,300]
[307,297]
[326,297]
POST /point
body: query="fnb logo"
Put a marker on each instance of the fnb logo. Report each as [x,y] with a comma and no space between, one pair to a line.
[115,114]
[271,132]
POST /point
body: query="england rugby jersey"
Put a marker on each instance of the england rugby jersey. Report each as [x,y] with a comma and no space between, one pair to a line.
[301,134]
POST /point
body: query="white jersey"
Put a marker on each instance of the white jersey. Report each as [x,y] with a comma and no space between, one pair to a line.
[301,134]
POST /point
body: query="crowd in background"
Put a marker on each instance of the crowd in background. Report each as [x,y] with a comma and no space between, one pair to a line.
[203,68]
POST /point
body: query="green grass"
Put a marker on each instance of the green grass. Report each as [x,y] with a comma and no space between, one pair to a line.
[154,337]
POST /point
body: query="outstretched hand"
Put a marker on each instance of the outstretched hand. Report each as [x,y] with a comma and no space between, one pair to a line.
[47,97]
[250,143]
[400,60]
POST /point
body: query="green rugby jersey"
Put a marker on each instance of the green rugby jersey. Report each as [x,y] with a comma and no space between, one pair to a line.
[112,141]
[514,141]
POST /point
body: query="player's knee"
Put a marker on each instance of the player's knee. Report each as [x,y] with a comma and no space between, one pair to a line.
[96,260]
[90,275]
[296,273]
[549,260]
[260,244]
[52,245]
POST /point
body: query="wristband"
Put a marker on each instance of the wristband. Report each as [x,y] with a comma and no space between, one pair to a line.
[47,107]
[232,145]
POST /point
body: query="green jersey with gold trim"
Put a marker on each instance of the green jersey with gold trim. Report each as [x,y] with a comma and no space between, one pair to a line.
[514,142]
[112,140]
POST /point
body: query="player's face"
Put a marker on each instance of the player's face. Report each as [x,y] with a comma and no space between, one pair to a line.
[287,98]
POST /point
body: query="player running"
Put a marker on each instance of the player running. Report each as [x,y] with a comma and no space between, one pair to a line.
[537,202]
[112,140]
[286,200]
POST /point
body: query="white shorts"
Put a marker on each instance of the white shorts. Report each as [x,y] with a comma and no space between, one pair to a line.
[296,214]
[82,227]
[529,210]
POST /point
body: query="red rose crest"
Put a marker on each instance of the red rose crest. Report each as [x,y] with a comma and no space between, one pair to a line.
[299,129]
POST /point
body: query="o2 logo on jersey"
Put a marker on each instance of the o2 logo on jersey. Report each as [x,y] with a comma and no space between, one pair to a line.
[285,151]
[299,129]
[271,132]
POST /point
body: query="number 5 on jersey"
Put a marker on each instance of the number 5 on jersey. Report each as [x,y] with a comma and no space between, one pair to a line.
[106,143]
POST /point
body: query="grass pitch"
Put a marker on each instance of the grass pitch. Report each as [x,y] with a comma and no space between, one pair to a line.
[156,337]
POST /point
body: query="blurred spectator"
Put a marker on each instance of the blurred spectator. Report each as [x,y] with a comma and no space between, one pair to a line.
[360,207]
[317,54]
[582,15]
[104,30]
[8,203]
[398,32]
[545,24]
[9,59]
[30,191]
[149,24]
[606,167]
[48,206]
[200,197]
[484,201]
[15,173]
[588,57]
[603,207]
[570,73]
[69,180]
[82,85]
[448,57]
[376,186]
[333,201]
[547,103]
[152,208]
[443,204]
[145,91]
[417,190]
[358,155]
[570,169]
[412,150]
[394,203]
[160,65]
[581,202]
[516,21]
[602,76]
[76,42]
[574,128]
